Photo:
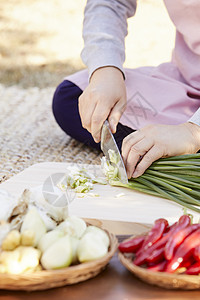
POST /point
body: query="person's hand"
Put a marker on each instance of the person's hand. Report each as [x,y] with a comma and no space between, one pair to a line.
[141,148]
[105,97]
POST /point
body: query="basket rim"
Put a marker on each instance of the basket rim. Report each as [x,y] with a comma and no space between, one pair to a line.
[127,260]
[187,281]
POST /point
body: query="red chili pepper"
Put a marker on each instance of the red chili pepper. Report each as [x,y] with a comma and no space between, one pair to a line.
[159,267]
[184,221]
[194,269]
[132,245]
[154,234]
[156,256]
[184,251]
[172,226]
[187,263]
[177,238]
[196,253]
[141,256]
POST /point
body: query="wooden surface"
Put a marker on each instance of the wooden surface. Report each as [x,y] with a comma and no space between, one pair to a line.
[114,283]
[130,214]
[132,207]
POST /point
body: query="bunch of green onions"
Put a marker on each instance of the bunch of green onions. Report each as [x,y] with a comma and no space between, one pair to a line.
[175,178]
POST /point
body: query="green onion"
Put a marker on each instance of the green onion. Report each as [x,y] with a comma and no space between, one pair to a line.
[80,180]
[174,178]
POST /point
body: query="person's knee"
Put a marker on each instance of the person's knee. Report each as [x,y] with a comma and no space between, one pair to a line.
[60,99]
[65,105]
[66,113]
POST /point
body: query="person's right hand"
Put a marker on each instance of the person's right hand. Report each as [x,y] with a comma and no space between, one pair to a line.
[104,98]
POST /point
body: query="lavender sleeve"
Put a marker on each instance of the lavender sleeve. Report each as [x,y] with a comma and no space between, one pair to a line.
[104,32]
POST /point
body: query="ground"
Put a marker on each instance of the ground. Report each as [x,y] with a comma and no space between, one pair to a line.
[41,41]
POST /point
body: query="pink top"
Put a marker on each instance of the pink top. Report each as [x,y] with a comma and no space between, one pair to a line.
[167,94]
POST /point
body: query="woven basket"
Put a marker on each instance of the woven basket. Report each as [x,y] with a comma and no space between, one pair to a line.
[43,280]
[162,279]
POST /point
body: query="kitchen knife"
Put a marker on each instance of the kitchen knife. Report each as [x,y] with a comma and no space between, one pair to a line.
[108,142]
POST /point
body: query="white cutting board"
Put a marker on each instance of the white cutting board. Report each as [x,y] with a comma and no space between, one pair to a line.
[132,207]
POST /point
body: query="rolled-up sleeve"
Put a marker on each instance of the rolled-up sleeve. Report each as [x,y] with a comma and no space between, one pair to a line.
[104,32]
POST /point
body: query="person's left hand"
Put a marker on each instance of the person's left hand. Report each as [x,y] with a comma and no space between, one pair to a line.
[141,148]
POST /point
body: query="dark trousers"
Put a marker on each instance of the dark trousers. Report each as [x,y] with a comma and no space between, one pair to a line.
[66,113]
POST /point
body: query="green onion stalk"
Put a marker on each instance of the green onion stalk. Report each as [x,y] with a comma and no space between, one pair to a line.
[174,178]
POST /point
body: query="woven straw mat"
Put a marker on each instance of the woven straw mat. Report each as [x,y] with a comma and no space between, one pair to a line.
[29,133]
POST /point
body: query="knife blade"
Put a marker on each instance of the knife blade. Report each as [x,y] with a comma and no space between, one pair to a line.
[108,142]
